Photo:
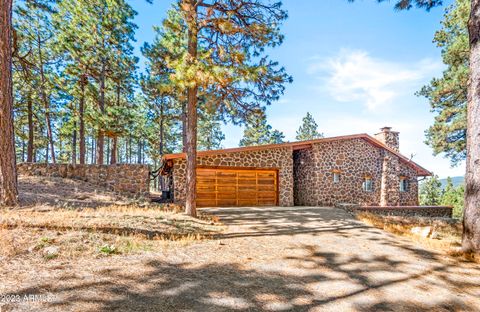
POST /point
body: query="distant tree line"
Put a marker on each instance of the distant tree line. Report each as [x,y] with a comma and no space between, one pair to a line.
[433,194]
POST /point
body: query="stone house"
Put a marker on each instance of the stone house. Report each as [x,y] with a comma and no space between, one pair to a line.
[357,169]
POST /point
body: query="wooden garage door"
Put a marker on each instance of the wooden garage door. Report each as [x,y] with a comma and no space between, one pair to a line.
[236,187]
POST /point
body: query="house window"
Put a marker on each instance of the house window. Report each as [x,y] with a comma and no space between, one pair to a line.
[403,184]
[368,184]
[336,177]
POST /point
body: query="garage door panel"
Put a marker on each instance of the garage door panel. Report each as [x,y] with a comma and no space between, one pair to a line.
[246,203]
[206,203]
[266,181]
[266,188]
[227,188]
[266,174]
[227,195]
[266,202]
[243,181]
[247,188]
[247,175]
[247,195]
[206,172]
[226,202]
[266,195]
[236,187]
[226,181]
[209,196]
[203,187]
[226,174]
[207,181]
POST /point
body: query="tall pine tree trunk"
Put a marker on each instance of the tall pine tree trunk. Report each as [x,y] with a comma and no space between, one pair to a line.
[191,144]
[94,148]
[184,126]
[45,99]
[161,147]
[101,104]
[46,153]
[471,219]
[74,135]
[81,120]
[126,151]
[139,151]
[108,150]
[129,149]
[30,129]
[74,144]
[23,144]
[8,170]
[113,156]
[113,152]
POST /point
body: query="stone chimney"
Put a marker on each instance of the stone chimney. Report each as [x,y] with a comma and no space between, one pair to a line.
[389,138]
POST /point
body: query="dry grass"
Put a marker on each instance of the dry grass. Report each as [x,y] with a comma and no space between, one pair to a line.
[101,231]
[56,192]
[446,235]
[105,224]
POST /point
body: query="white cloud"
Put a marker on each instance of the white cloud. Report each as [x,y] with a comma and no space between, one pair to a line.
[355,76]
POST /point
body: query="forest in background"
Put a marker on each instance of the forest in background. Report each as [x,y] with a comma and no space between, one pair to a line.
[80,98]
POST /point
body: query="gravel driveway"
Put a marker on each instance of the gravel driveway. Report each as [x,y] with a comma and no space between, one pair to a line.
[275,259]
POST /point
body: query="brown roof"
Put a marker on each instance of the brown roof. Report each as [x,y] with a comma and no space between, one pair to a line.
[305,144]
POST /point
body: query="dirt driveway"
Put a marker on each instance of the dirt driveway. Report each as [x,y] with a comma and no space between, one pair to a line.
[275,259]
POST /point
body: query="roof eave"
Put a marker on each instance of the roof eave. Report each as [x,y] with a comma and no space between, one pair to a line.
[422,172]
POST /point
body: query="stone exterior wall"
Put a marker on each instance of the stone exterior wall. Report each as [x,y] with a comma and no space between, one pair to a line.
[123,178]
[277,158]
[354,159]
[409,198]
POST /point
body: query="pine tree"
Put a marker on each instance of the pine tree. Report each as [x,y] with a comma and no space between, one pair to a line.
[210,135]
[431,192]
[277,137]
[74,43]
[453,196]
[308,130]
[225,61]
[35,70]
[448,95]
[25,82]
[8,173]
[96,37]
[165,100]
[259,132]
[459,204]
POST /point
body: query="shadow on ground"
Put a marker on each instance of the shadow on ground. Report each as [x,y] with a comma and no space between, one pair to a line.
[255,222]
[309,276]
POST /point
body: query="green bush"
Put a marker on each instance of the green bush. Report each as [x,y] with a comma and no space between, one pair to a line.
[108,249]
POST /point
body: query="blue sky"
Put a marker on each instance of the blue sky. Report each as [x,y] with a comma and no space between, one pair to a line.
[356,67]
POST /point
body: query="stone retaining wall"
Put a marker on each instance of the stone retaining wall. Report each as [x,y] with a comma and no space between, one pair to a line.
[406,211]
[129,179]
